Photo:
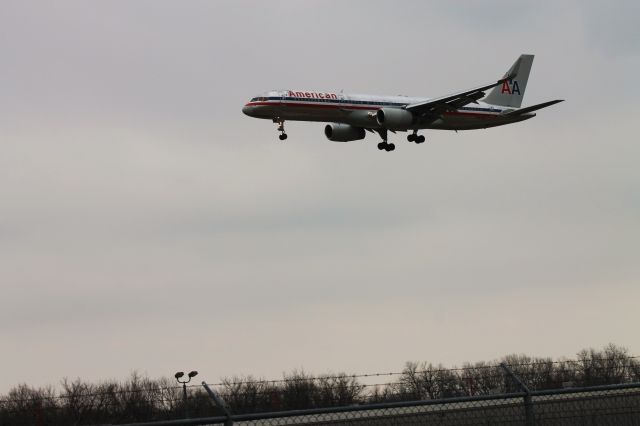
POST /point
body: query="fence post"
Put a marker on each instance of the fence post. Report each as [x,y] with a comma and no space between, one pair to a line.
[528,403]
[217,399]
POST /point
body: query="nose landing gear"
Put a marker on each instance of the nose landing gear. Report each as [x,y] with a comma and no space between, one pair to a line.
[280,122]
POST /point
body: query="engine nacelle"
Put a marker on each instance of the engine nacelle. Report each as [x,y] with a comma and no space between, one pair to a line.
[338,132]
[394,118]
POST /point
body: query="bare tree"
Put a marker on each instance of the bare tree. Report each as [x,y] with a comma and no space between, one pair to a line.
[142,399]
[338,390]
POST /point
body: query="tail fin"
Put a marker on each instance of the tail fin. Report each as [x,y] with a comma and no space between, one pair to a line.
[511,92]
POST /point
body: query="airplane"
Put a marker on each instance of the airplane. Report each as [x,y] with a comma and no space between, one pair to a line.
[350,116]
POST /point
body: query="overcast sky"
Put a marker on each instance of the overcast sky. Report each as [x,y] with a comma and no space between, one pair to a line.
[147,224]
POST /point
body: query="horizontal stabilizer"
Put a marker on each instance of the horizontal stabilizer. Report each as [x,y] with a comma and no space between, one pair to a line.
[533,107]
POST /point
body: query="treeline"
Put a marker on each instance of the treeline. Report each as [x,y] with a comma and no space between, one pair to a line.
[612,365]
[143,399]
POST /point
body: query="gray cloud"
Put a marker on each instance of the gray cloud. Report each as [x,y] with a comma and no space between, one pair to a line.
[611,27]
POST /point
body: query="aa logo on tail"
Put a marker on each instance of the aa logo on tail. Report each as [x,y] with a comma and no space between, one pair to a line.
[510,87]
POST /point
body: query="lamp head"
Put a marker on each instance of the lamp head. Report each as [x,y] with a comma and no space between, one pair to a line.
[193,374]
[179,374]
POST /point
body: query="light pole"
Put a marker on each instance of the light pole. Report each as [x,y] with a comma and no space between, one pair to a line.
[191,375]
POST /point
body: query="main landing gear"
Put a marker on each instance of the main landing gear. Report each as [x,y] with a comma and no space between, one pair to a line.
[384,145]
[415,137]
[280,123]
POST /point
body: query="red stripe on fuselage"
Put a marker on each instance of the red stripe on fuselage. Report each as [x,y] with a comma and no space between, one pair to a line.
[473,114]
[361,107]
[313,105]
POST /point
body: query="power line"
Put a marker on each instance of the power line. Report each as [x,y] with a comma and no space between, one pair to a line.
[431,370]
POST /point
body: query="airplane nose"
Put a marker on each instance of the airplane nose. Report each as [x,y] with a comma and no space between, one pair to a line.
[247,109]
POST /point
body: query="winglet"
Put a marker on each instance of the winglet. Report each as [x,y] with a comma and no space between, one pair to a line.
[513,71]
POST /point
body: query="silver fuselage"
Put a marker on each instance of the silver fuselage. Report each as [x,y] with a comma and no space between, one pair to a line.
[360,110]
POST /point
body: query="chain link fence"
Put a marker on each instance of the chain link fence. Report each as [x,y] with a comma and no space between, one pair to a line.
[602,405]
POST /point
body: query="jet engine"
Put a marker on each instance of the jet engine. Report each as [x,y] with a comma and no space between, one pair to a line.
[338,132]
[394,118]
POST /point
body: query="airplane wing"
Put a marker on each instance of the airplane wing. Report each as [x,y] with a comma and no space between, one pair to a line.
[454,101]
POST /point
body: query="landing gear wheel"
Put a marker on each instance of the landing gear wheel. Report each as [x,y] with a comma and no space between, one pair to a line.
[411,137]
[420,139]
[384,145]
[280,124]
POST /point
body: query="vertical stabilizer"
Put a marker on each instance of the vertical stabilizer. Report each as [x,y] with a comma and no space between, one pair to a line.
[511,92]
